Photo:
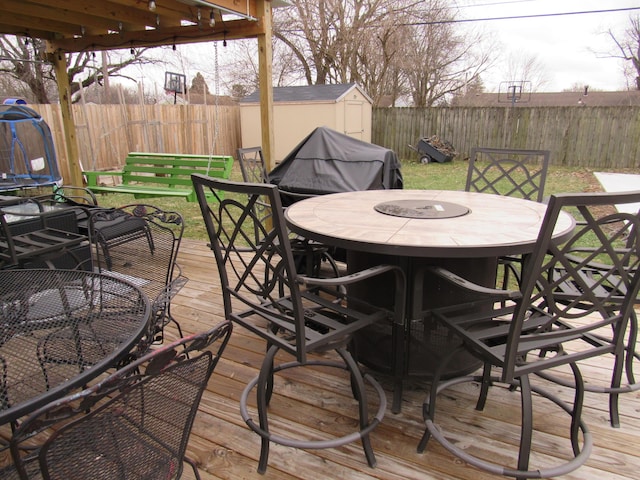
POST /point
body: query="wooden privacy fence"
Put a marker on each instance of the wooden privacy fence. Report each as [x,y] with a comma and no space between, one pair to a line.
[590,137]
[107,133]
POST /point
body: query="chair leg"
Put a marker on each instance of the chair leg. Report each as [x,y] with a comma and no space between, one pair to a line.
[429,406]
[399,353]
[196,472]
[526,426]
[577,425]
[264,384]
[578,402]
[361,396]
[263,397]
[484,387]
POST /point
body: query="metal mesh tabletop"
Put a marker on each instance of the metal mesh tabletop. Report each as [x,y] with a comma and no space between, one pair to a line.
[59,329]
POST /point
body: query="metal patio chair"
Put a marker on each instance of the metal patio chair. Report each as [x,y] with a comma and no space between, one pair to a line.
[301,316]
[135,423]
[31,237]
[309,256]
[141,242]
[509,172]
[605,284]
[536,332]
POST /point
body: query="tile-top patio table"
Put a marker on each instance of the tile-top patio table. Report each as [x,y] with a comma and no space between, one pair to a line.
[59,329]
[465,232]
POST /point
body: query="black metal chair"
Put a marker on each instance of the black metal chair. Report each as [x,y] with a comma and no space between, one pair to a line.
[141,242]
[252,165]
[302,316]
[32,237]
[80,200]
[513,173]
[509,172]
[605,284]
[536,331]
[135,423]
[309,256]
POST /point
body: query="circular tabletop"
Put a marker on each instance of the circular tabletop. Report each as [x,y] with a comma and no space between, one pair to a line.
[494,225]
[59,329]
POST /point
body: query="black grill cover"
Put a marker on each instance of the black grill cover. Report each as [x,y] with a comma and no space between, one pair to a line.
[331,162]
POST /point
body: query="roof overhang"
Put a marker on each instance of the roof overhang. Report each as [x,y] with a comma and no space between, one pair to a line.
[78,25]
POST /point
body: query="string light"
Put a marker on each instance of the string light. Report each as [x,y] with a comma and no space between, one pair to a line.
[212,19]
[152,6]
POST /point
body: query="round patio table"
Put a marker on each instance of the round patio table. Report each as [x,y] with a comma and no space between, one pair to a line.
[59,329]
[465,232]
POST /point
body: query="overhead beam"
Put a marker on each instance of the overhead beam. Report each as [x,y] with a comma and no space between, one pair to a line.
[241,7]
[113,13]
[26,23]
[67,22]
[234,30]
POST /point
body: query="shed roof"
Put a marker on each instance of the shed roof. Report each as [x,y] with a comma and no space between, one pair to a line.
[308,93]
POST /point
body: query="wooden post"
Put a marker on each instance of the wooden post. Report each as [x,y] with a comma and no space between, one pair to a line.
[64,91]
[265,57]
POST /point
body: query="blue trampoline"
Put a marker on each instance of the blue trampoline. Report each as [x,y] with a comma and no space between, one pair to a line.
[27,154]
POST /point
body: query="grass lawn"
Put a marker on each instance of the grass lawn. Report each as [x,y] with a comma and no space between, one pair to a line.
[434,176]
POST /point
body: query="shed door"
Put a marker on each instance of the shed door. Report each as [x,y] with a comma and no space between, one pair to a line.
[353,119]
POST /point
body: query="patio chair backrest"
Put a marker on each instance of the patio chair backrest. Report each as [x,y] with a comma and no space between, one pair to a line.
[133,424]
[603,237]
[508,172]
[141,242]
[260,285]
[252,165]
[256,270]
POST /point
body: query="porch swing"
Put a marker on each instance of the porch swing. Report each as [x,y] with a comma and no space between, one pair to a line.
[27,153]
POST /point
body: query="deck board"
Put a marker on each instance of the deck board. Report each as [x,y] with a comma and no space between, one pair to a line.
[319,404]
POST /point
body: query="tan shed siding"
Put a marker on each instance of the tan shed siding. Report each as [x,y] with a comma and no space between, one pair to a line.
[350,114]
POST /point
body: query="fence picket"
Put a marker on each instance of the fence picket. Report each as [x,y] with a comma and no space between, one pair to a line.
[590,137]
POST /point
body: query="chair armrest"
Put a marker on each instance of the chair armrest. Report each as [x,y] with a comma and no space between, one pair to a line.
[171,289]
[351,278]
[175,285]
[74,194]
[400,287]
[471,286]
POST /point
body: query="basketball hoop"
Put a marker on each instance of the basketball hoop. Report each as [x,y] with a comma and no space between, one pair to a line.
[514,92]
[176,83]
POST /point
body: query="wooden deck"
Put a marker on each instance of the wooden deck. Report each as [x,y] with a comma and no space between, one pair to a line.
[319,404]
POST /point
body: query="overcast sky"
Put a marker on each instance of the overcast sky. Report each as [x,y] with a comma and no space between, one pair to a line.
[566,46]
[570,49]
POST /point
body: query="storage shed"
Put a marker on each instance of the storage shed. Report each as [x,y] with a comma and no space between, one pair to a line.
[297,111]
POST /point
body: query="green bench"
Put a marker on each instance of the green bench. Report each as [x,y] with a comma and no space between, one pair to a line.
[148,175]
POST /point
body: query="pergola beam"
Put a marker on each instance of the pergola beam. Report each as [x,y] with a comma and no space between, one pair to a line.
[234,30]
[71,26]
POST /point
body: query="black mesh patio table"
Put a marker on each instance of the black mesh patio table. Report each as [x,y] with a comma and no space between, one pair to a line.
[59,329]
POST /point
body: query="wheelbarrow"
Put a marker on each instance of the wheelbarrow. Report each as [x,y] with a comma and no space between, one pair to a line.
[433,149]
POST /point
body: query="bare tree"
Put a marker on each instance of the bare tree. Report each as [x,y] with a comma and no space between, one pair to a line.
[392,48]
[628,48]
[23,59]
[239,70]
[345,41]
[523,66]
